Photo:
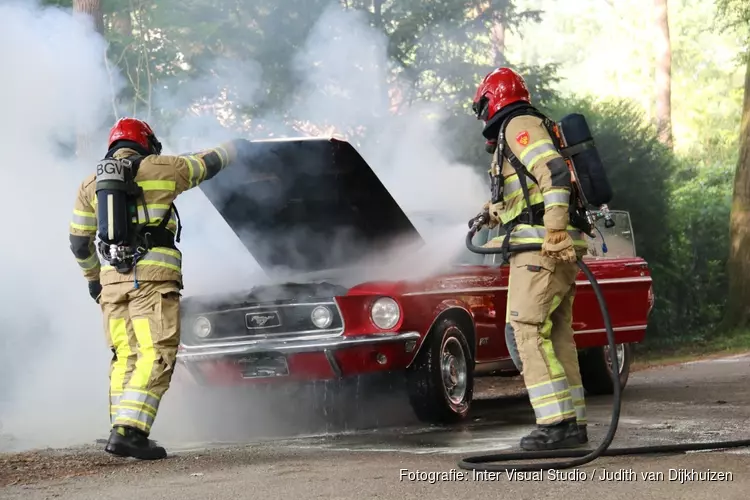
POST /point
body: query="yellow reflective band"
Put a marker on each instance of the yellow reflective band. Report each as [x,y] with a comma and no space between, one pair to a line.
[555,367]
[546,389]
[83,219]
[136,407]
[82,227]
[196,170]
[156,263]
[541,157]
[537,151]
[155,213]
[89,263]
[548,419]
[556,395]
[554,409]
[146,354]
[525,234]
[223,154]
[547,326]
[150,397]
[536,147]
[160,257]
[157,185]
[508,215]
[556,197]
[577,393]
[120,420]
[119,336]
[512,187]
[552,381]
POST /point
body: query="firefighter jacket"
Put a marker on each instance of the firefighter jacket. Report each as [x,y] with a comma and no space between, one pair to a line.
[528,139]
[162,178]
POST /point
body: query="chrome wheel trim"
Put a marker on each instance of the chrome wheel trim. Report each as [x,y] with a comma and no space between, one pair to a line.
[454,370]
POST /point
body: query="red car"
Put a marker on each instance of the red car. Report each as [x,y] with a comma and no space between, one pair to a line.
[313,207]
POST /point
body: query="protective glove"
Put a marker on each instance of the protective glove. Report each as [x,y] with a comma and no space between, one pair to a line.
[484,215]
[95,289]
[558,245]
[494,210]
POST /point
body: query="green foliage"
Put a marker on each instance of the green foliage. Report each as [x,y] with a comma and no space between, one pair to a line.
[693,282]
[736,13]
[680,213]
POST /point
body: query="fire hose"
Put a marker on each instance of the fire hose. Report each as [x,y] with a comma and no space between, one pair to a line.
[489,462]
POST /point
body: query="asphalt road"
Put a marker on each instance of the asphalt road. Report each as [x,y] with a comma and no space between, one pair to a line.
[401,459]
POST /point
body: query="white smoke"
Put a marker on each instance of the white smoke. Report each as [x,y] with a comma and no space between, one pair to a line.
[53,355]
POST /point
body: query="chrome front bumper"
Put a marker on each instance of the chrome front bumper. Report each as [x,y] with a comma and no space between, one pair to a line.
[293,346]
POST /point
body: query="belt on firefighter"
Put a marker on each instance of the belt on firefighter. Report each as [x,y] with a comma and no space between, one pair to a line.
[532,217]
[159,237]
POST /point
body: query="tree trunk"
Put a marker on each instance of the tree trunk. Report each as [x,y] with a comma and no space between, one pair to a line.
[377,9]
[497,35]
[663,73]
[93,8]
[738,307]
[122,24]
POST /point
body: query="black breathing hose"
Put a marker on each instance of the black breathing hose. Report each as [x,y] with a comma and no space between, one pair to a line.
[582,456]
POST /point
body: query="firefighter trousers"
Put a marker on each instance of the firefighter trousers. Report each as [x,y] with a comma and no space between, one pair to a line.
[142,326]
[540,311]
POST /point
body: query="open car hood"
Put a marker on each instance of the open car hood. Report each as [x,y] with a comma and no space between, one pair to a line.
[308,204]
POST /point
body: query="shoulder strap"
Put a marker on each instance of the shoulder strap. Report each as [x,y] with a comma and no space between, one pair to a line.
[136,162]
[136,159]
[521,171]
[173,208]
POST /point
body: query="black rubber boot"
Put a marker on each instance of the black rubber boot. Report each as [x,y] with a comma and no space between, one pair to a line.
[552,437]
[130,442]
[583,435]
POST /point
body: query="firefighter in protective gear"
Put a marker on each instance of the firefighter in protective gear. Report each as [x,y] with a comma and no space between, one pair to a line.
[141,308]
[531,197]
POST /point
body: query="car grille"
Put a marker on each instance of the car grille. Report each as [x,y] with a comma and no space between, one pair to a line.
[275,320]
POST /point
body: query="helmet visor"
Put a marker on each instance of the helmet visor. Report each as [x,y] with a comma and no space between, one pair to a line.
[481,108]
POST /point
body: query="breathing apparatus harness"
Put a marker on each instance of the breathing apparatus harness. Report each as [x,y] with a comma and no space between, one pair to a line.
[591,187]
[123,239]
[489,462]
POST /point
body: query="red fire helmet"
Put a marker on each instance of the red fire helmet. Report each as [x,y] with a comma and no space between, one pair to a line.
[499,88]
[138,131]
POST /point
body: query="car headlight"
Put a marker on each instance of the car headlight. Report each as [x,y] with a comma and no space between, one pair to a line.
[321,317]
[201,327]
[385,313]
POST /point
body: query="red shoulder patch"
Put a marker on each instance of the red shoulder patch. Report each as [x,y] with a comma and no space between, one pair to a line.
[523,138]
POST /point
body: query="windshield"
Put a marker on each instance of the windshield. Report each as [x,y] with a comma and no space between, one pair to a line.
[618,239]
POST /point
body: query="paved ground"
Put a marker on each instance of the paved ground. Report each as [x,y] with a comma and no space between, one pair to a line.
[701,401]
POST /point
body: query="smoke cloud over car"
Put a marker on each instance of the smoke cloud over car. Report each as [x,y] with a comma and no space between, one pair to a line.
[57,86]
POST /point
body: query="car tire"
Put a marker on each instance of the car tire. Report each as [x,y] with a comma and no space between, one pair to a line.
[596,369]
[440,381]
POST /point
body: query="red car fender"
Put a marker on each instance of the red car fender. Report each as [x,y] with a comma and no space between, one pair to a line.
[443,308]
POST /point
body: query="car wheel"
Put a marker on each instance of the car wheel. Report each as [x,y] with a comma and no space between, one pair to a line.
[596,368]
[440,382]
